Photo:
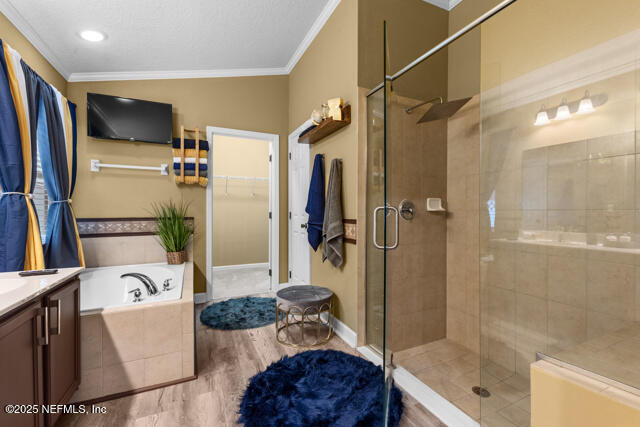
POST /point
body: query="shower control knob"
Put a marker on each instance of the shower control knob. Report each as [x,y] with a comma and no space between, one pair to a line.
[406,209]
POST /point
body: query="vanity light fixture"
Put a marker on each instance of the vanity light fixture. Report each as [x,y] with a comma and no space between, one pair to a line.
[586,105]
[92,35]
[542,118]
[563,112]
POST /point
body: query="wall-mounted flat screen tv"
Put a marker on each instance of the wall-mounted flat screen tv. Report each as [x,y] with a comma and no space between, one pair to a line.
[113,117]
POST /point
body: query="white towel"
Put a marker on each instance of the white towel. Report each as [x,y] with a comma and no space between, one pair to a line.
[190,160]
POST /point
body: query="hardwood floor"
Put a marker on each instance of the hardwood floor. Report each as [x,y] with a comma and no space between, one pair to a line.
[226,362]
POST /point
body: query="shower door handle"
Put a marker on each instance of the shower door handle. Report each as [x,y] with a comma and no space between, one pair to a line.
[375,227]
[395,210]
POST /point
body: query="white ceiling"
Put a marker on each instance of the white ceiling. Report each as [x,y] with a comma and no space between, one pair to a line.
[170,38]
[444,4]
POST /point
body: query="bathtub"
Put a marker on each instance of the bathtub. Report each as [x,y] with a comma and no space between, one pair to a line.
[104,288]
[129,346]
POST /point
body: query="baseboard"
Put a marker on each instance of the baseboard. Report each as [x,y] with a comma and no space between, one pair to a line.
[345,333]
[446,411]
[200,298]
[240,266]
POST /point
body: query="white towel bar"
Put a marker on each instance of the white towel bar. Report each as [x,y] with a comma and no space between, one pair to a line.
[96,165]
[240,178]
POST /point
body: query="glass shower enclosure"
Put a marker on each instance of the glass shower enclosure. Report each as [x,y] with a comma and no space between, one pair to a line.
[503,206]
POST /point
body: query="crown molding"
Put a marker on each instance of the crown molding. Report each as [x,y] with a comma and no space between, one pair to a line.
[444,4]
[175,74]
[31,35]
[312,33]
[8,10]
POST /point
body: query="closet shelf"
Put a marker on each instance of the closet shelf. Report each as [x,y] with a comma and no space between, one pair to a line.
[326,127]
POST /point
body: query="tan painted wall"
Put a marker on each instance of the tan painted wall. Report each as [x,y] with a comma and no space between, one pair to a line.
[329,69]
[413,27]
[248,103]
[464,53]
[30,55]
[523,38]
[240,208]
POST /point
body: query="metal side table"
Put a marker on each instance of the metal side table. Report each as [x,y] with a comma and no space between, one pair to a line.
[304,316]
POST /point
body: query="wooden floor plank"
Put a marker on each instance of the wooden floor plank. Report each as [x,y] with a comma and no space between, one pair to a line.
[226,362]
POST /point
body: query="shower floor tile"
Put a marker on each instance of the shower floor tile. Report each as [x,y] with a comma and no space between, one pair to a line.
[451,370]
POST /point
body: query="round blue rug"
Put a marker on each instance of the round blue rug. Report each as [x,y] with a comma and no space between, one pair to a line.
[240,313]
[318,388]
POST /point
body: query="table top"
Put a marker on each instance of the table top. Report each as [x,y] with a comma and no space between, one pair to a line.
[304,294]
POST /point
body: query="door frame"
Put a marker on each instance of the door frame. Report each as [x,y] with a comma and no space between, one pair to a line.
[293,139]
[274,201]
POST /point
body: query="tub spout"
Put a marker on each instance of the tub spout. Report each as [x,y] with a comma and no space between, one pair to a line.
[152,289]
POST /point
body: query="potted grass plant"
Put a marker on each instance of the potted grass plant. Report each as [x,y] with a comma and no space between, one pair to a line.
[172,231]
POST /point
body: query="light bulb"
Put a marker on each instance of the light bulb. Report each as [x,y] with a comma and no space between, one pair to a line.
[586,105]
[542,118]
[92,36]
[563,112]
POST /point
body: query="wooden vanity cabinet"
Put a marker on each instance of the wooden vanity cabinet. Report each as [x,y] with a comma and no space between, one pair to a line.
[21,365]
[62,355]
[40,354]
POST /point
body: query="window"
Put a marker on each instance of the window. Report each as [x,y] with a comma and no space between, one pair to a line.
[41,199]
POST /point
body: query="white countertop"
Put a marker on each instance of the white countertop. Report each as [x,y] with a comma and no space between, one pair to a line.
[16,290]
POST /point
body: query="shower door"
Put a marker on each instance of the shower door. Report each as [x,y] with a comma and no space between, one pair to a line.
[382,228]
[422,248]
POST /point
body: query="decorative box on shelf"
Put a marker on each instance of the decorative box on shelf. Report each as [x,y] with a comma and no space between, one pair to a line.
[326,127]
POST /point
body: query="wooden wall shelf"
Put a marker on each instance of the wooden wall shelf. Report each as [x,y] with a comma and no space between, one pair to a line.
[326,127]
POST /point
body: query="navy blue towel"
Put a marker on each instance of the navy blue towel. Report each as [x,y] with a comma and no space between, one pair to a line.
[191,143]
[190,166]
[315,203]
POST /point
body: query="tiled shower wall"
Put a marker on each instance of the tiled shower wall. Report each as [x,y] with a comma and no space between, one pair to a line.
[463,148]
[417,301]
[571,277]
[559,253]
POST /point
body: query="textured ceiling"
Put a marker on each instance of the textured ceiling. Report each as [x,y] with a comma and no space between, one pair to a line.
[143,36]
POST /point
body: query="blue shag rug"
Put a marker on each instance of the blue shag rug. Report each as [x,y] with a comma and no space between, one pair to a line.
[240,313]
[318,388]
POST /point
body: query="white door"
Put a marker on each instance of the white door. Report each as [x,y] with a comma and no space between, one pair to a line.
[299,178]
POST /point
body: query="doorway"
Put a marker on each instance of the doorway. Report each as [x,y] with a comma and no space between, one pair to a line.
[241,212]
[299,178]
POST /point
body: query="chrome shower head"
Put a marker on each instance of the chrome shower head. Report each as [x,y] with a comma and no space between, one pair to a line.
[444,110]
[438,100]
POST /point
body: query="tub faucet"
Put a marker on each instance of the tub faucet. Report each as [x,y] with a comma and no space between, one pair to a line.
[152,289]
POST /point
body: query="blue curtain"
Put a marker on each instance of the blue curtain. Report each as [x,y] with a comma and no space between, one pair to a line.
[74,160]
[60,246]
[14,215]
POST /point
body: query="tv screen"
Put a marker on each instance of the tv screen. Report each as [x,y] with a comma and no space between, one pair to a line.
[113,117]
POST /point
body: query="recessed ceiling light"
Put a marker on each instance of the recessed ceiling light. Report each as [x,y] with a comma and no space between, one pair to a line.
[92,36]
